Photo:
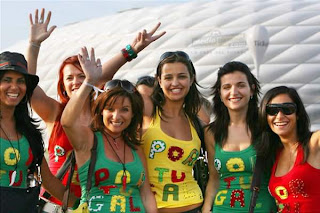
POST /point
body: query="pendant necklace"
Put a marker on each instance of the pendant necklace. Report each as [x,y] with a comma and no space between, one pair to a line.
[14,173]
[113,138]
[124,175]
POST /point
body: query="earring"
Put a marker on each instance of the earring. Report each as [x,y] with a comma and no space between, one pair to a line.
[251,97]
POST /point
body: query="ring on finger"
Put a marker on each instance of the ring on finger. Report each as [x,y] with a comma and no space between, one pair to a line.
[88,59]
[41,21]
[99,65]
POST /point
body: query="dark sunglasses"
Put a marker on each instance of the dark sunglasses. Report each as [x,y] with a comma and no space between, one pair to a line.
[177,53]
[146,80]
[285,108]
[124,84]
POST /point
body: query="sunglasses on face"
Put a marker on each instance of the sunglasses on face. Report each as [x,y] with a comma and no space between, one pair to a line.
[124,84]
[285,108]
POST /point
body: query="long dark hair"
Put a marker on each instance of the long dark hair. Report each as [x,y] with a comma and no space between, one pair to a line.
[270,141]
[192,102]
[219,126]
[28,126]
[109,97]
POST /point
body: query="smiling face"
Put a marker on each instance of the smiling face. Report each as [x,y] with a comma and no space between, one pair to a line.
[117,117]
[12,88]
[283,125]
[72,79]
[175,81]
[235,91]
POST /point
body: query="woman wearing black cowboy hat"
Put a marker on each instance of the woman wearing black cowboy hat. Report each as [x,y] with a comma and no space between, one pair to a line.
[21,144]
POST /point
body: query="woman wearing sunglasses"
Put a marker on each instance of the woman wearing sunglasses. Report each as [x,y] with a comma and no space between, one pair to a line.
[120,180]
[171,143]
[230,140]
[292,148]
[71,77]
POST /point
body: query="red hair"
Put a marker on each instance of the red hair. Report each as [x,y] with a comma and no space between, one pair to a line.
[73,60]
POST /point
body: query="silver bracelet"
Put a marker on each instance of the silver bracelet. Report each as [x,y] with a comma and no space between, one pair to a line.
[35,45]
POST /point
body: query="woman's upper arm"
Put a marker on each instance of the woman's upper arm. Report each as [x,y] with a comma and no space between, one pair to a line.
[210,146]
[47,108]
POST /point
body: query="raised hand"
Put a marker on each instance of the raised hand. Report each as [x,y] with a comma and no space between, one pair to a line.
[39,28]
[92,68]
[144,38]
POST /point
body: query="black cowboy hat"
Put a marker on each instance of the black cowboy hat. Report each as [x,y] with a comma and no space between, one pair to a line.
[11,61]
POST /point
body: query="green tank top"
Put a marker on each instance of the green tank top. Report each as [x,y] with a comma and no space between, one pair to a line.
[17,158]
[107,194]
[236,170]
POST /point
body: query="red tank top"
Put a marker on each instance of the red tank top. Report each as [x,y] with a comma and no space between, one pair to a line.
[59,149]
[299,189]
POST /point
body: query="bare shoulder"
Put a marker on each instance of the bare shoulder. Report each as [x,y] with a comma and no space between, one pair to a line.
[315,139]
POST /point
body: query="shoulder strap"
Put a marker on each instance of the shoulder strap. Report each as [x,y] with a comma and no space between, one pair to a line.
[92,164]
[256,182]
[93,160]
[198,126]
[61,172]
[67,191]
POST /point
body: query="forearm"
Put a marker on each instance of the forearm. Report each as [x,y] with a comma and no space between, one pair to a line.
[110,67]
[75,105]
[32,56]
[148,199]
[211,192]
[53,185]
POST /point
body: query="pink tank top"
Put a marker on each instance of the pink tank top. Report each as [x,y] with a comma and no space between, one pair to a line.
[299,189]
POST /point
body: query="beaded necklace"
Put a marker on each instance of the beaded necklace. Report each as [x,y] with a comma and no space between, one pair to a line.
[124,175]
[14,173]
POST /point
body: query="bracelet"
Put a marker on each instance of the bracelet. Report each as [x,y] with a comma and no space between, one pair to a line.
[128,53]
[131,52]
[35,45]
[96,89]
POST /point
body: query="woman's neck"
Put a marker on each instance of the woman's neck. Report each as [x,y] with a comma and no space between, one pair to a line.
[238,117]
[7,114]
[173,109]
[289,142]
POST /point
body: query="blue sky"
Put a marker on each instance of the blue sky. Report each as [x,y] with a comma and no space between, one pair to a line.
[15,19]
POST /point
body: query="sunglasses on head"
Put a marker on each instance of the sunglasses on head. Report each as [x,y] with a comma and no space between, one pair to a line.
[177,53]
[285,108]
[146,80]
[124,84]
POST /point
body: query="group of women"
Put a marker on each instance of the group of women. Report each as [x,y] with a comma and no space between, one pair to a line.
[146,146]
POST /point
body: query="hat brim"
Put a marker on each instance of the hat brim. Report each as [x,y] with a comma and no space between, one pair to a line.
[31,80]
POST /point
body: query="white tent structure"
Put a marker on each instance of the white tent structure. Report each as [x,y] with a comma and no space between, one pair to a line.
[212,33]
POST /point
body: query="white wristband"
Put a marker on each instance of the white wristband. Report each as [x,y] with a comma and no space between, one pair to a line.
[96,89]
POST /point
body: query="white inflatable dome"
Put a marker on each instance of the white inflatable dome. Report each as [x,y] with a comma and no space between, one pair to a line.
[212,33]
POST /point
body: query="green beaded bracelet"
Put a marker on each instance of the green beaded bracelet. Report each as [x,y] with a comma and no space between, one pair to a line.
[131,52]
